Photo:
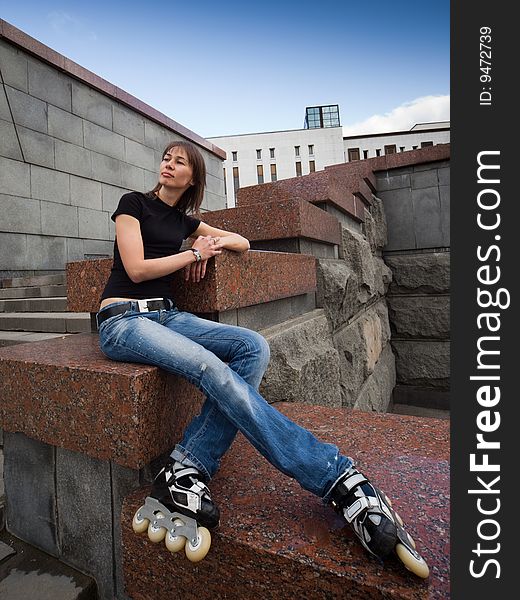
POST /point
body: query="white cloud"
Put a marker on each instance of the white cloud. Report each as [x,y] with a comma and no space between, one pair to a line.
[404,117]
[63,22]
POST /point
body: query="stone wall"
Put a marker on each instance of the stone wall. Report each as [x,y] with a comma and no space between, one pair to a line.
[70,145]
[416,202]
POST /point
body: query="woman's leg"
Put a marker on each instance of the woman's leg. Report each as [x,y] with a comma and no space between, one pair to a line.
[246,352]
[292,449]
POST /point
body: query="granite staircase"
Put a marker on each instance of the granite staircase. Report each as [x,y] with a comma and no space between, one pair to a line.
[34,309]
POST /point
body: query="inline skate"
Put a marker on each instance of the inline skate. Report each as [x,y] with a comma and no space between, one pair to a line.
[178,502]
[379,528]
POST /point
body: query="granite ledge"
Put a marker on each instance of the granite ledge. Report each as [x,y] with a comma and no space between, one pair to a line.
[278,541]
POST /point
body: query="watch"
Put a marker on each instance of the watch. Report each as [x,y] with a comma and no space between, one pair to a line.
[197,254]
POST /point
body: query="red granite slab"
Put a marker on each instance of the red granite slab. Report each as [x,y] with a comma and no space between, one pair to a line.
[277,541]
[64,392]
[347,186]
[232,280]
[293,218]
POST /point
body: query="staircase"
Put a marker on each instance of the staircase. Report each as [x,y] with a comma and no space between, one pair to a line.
[35,309]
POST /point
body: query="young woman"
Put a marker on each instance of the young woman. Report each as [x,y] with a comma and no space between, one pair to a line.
[139,322]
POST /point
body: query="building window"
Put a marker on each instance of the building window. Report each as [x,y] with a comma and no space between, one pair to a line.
[235,156]
[365,153]
[258,154]
[312,166]
[236,180]
[317,117]
[390,149]
[353,154]
[414,147]
[260,173]
[271,152]
[225,187]
[424,144]
[298,169]
[401,148]
[297,151]
[311,149]
[378,151]
[273,172]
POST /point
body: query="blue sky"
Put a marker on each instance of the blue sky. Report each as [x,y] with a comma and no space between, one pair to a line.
[229,67]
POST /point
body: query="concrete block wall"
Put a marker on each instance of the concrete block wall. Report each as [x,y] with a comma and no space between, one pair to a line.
[68,152]
[416,201]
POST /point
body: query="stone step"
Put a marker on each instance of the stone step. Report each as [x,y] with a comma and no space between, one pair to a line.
[278,541]
[61,322]
[51,304]
[26,572]
[11,338]
[34,281]
[45,291]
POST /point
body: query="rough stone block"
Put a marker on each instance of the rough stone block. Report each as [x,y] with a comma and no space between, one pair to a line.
[376,393]
[422,363]
[20,215]
[337,291]
[389,180]
[27,111]
[103,141]
[14,177]
[427,217]
[85,193]
[106,169]
[443,175]
[48,84]
[73,159]
[420,316]
[31,496]
[10,147]
[359,257]
[377,231]
[65,126]
[427,273]
[399,217]
[211,201]
[5,111]
[93,224]
[150,179]
[59,219]
[278,541]
[304,365]
[50,185]
[139,155]
[84,504]
[111,196]
[97,249]
[37,148]
[128,123]
[13,63]
[91,105]
[359,346]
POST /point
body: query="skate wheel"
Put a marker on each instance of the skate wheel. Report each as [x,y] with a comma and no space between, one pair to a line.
[197,552]
[414,563]
[175,543]
[156,533]
[139,525]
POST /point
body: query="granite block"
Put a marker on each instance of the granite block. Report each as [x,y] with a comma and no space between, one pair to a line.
[232,280]
[277,541]
[294,218]
[64,392]
[29,467]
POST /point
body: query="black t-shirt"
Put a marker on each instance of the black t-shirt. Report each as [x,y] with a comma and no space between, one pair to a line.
[163,229]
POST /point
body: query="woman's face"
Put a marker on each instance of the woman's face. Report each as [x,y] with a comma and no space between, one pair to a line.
[175,171]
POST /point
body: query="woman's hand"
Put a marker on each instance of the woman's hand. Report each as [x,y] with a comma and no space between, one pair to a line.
[207,246]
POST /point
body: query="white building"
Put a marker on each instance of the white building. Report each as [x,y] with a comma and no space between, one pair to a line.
[254,158]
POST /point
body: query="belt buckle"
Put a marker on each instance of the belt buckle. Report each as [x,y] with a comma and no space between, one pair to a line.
[143,304]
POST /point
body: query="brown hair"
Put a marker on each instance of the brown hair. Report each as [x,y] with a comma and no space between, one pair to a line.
[191,200]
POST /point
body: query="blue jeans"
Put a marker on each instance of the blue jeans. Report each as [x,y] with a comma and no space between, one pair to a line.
[227,363]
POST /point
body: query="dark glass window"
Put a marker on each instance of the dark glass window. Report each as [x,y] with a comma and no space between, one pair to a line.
[260,173]
[390,149]
[235,156]
[297,151]
[353,154]
[271,152]
[311,149]
[378,151]
[236,179]
[225,187]
[259,154]
[273,172]
[424,144]
[312,166]
[298,169]
[365,153]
